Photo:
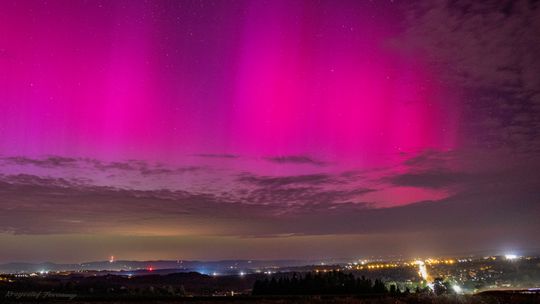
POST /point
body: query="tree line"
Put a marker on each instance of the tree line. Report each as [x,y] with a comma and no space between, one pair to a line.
[328,283]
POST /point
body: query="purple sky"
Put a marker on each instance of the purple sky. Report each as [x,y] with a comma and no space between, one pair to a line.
[267,129]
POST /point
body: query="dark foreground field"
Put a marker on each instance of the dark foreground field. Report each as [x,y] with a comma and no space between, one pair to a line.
[498,298]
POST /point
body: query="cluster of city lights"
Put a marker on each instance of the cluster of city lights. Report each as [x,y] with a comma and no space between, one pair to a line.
[380,266]
[422,270]
[326,270]
[510,256]
[436,261]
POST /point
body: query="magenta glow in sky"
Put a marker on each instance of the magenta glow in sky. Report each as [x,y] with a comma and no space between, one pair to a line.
[152,80]
[271,112]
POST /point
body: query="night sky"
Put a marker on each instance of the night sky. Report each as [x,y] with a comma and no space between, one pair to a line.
[268,129]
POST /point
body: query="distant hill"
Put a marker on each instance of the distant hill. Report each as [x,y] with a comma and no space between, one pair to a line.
[205,267]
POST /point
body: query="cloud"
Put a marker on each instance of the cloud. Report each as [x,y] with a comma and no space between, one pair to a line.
[135,166]
[303,199]
[278,181]
[429,179]
[48,162]
[165,171]
[299,206]
[42,205]
[430,159]
[107,166]
[485,44]
[488,51]
[231,156]
[302,194]
[485,192]
[295,159]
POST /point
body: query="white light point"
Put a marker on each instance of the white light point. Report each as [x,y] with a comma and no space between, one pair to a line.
[510,256]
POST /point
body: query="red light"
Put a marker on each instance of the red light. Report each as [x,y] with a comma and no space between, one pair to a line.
[150,268]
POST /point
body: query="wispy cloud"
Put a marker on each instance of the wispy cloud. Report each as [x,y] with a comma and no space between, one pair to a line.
[134,166]
[429,179]
[224,155]
[488,49]
[296,159]
[265,206]
[47,162]
[278,181]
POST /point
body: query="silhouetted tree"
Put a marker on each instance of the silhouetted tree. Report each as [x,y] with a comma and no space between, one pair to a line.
[333,282]
[394,290]
[438,287]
